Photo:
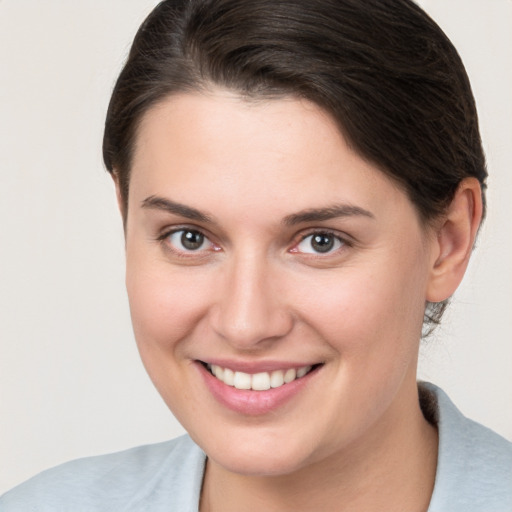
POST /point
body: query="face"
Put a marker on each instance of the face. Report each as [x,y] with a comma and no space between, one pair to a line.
[261,248]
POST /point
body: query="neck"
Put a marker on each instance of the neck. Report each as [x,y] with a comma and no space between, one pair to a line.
[392,467]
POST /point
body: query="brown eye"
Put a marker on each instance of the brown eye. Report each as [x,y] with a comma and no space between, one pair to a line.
[192,240]
[188,240]
[322,243]
[319,243]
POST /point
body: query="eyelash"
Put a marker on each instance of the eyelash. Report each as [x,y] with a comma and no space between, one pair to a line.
[341,240]
[164,240]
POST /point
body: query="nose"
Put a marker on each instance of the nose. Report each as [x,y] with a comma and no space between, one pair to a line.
[250,312]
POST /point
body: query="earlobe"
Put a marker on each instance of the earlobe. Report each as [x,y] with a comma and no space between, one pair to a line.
[455,239]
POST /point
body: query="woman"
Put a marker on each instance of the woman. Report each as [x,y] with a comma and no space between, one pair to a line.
[301,185]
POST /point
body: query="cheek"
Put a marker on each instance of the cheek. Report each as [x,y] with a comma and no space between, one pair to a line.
[370,309]
[165,309]
[165,305]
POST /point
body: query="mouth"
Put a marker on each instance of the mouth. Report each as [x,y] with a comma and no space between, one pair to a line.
[256,392]
[261,381]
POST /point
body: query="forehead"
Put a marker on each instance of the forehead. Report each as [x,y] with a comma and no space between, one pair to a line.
[284,153]
[225,126]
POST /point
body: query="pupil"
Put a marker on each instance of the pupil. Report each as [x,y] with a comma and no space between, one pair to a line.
[192,240]
[322,243]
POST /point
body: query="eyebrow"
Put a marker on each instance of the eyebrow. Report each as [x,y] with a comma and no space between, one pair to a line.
[309,215]
[161,203]
[328,213]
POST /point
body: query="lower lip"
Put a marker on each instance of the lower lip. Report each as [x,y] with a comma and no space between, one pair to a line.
[254,403]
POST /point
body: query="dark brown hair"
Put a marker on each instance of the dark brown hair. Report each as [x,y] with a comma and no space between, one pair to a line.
[383,69]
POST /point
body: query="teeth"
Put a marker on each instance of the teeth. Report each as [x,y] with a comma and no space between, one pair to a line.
[229,377]
[276,379]
[258,381]
[218,372]
[241,380]
[302,371]
[290,375]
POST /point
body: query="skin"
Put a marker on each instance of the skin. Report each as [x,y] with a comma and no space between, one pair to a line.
[354,437]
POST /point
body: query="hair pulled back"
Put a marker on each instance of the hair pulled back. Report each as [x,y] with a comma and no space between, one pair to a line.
[383,69]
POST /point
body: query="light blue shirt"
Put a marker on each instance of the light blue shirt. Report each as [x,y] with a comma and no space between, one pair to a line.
[474,473]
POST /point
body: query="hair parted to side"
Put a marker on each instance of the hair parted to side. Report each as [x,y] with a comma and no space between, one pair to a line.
[383,69]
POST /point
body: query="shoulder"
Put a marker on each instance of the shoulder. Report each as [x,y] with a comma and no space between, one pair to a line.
[149,477]
[474,469]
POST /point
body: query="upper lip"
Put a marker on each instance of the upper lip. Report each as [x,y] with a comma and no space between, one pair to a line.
[252,367]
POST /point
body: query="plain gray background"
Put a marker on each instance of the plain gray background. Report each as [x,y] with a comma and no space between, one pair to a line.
[71,383]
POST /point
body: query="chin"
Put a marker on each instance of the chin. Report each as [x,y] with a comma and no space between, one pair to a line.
[261,465]
[259,456]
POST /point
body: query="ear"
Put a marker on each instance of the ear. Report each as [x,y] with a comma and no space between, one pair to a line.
[455,239]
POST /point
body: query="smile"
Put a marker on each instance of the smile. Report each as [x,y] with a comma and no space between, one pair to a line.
[262,388]
[262,381]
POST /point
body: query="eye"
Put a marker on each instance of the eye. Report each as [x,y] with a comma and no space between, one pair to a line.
[319,243]
[188,240]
